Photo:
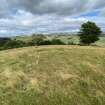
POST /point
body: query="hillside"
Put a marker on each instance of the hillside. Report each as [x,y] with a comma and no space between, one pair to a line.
[52,75]
[65,38]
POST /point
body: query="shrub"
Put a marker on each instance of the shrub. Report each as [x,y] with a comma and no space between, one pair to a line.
[57,42]
[46,42]
[37,39]
[71,43]
[14,44]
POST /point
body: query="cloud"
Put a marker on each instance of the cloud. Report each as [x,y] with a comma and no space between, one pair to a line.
[74,20]
[3,31]
[59,7]
[47,16]
[27,23]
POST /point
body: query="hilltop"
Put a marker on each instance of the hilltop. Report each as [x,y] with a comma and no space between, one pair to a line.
[52,75]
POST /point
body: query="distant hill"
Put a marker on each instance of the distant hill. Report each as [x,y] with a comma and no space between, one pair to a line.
[4,39]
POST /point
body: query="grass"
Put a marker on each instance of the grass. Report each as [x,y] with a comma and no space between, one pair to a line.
[52,75]
[101,42]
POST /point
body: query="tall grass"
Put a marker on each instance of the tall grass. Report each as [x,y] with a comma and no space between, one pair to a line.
[52,75]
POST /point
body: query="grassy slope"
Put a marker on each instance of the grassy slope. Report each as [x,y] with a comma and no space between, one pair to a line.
[53,75]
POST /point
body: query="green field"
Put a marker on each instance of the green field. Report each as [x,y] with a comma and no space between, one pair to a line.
[52,75]
[64,38]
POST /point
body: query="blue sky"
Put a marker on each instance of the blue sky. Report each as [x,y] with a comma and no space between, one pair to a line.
[22,17]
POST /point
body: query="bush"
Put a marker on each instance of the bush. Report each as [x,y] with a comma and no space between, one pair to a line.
[71,43]
[14,44]
[38,36]
[57,42]
[37,39]
[46,42]
[41,40]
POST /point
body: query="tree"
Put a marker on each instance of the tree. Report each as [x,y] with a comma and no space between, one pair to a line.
[89,33]
[38,39]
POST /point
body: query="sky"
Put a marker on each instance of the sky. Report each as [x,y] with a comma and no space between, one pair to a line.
[24,17]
